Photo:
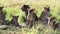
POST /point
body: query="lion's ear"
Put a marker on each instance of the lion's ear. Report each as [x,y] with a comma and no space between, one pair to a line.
[17,15]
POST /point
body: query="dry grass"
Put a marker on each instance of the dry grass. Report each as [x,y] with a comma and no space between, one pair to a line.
[12,7]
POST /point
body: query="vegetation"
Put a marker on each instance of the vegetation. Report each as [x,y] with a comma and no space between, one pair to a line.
[12,7]
[38,29]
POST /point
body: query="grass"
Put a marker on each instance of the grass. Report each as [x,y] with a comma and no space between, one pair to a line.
[12,7]
[38,29]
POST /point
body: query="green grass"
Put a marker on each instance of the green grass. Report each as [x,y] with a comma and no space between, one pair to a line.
[37,29]
[14,12]
[12,7]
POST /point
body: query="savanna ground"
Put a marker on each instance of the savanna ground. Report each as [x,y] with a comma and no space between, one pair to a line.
[12,7]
